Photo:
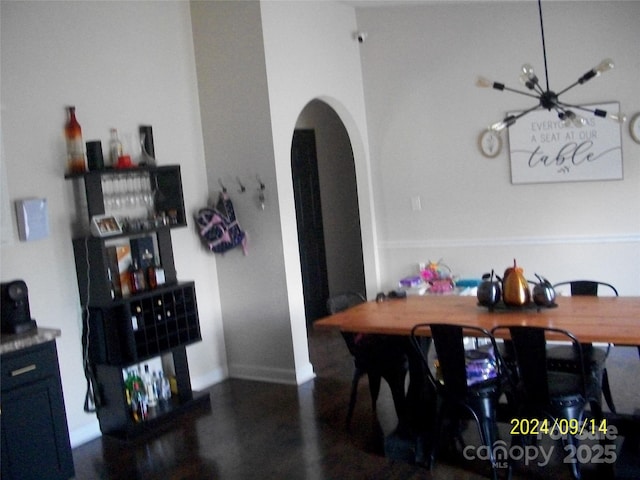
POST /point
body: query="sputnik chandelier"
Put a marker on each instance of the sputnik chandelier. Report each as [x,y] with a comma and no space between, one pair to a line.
[548,99]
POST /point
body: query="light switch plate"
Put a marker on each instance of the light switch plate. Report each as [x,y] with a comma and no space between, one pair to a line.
[33,219]
[416,203]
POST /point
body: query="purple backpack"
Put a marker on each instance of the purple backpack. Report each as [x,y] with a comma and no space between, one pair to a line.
[218,227]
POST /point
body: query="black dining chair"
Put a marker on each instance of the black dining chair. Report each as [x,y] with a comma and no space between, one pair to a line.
[377,356]
[468,381]
[550,395]
[560,357]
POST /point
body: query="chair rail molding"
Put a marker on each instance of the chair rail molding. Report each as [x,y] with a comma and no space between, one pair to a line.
[510,241]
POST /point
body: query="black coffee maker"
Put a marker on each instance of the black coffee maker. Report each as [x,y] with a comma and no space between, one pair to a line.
[16,317]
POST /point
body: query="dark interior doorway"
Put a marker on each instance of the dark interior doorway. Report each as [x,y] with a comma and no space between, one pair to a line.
[306,191]
[329,189]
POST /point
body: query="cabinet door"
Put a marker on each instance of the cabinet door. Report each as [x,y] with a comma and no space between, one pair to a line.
[35,442]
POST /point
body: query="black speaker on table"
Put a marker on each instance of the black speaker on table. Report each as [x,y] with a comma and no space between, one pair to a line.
[16,317]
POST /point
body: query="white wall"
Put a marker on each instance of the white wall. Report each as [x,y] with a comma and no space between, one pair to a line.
[236,127]
[259,64]
[424,115]
[310,53]
[122,64]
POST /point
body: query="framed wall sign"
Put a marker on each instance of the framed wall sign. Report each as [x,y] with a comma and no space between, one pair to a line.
[543,150]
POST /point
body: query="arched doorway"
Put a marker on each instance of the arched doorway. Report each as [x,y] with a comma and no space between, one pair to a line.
[330,253]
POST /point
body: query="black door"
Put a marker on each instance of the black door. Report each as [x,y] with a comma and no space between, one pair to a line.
[306,188]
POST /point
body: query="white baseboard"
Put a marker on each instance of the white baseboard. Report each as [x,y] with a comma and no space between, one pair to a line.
[273,375]
[82,435]
[202,382]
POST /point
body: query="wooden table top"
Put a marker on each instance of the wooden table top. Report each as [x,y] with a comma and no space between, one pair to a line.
[591,319]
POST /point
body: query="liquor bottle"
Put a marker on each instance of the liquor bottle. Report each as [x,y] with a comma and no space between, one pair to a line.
[162,387]
[166,388]
[139,405]
[76,161]
[115,147]
[128,387]
[156,275]
[138,281]
[150,387]
[146,263]
[132,376]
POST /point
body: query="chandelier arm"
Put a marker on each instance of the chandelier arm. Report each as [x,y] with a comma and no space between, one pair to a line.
[539,89]
[560,109]
[519,91]
[596,111]
[522,114]
[568,88]
[511,119]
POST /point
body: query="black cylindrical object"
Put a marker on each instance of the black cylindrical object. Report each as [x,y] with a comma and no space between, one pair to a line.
[16,317]
[95,161]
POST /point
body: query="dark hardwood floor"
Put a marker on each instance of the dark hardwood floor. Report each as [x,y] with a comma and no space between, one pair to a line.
[258,430]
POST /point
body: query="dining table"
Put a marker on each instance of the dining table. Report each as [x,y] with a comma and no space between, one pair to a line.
[614,320]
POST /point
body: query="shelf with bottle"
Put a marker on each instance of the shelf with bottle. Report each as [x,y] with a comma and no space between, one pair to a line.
[143,198]
[119,414]
[114,268]
[148,391]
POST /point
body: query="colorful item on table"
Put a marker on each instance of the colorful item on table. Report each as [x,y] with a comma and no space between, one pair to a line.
[438,276]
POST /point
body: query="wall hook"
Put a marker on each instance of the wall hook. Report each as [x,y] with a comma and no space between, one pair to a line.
[224,189]
[261,189]
[242,187]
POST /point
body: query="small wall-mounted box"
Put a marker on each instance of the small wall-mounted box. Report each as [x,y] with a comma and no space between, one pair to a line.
[33,219]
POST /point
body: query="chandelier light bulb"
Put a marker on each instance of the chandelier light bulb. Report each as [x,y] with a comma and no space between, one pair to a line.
[604,66]
[618,117]
[566,120]
[527,70]
[528,77]
[578,120]
[570,118]
[502,124]
[483,82]
[527,82]
[498,126]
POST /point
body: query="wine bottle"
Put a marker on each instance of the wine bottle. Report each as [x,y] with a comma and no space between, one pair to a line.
[115,148]
[76,160]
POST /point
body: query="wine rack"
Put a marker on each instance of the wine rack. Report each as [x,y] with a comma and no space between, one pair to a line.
[144,326]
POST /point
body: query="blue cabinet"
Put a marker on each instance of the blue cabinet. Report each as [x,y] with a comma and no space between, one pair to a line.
[35,436]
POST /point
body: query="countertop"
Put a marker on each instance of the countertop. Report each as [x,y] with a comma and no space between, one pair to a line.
[13,343]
